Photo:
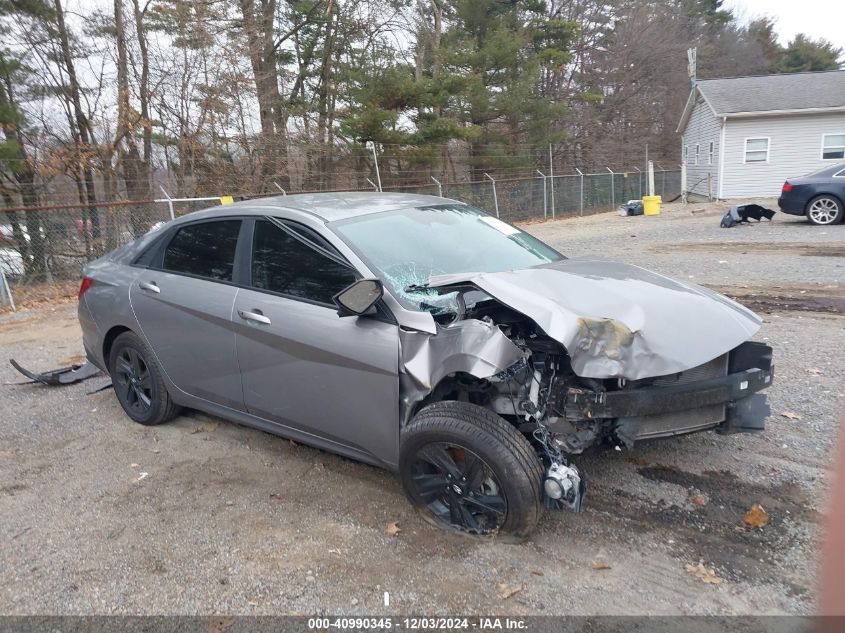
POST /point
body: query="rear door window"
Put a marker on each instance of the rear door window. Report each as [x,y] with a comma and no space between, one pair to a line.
[204,249]
[285,265]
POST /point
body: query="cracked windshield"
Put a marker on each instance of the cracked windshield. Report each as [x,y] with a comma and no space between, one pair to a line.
[408,246]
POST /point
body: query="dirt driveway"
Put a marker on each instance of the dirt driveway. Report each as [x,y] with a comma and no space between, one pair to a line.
[201,516]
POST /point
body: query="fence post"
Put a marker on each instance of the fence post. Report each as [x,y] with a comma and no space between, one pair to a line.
[545,202]
[495,196]
[375,162]
[169,202]
[373,185]
[439,186]
[650,178]
[640,181]
[552,180]
[279,187]
[7,290]
[581,205]
[612,188]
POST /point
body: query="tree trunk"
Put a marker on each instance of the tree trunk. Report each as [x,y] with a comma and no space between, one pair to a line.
[259,30]
[85,131]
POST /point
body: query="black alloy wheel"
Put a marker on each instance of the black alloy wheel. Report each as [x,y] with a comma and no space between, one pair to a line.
[133,382]
[458,488]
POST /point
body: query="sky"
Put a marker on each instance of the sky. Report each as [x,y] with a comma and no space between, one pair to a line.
[816,18]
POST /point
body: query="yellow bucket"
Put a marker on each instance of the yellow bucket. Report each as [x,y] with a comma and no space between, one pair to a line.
[651,205]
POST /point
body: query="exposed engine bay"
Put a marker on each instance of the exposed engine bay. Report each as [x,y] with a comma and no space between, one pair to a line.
[531,383]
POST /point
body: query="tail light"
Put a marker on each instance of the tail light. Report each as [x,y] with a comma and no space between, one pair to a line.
[787,187]
[87,282]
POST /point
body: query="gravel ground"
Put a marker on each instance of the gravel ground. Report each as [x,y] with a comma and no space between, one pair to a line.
[232,520]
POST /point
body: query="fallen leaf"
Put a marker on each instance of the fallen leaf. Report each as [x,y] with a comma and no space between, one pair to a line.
[756,517]
[205,427]
[537,573]
[292,443]
[600,564]
[393,528]
[698,500]
[506,592]
[814,371]
[791,415]
[704,574]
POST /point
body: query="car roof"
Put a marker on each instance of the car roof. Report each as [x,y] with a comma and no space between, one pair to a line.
[328,206]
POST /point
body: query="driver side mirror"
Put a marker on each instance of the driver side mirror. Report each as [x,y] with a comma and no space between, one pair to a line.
[357,298]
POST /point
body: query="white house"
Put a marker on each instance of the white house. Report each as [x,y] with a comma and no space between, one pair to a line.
[743,136]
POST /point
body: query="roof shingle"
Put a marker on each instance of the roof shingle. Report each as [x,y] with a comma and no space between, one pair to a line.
[797,91]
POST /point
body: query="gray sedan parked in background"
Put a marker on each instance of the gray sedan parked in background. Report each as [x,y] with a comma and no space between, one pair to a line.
[422,335]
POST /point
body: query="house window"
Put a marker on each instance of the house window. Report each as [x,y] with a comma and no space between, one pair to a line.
[756,150]
[710,153]
[697,152]
[833,146]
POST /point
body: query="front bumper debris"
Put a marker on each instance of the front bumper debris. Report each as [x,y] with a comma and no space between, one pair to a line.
[698,400]
[62,376]
[579,404]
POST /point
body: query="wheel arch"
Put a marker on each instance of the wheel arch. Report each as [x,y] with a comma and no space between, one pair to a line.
[458,387]
[109,338]
[819,194]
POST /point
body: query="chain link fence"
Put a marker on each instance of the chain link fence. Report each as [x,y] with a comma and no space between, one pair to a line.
[43,249]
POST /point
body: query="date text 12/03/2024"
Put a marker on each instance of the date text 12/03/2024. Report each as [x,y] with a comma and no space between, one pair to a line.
[418,623]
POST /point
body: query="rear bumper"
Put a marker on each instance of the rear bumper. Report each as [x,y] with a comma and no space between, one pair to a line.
[729,403]
[791,205]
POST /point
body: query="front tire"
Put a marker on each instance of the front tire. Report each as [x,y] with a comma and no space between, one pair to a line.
[824,210]
[468,470]
[138,382]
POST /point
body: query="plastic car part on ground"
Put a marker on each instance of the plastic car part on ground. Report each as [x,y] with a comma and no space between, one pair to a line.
[62,376]
[744,213]
[632,207]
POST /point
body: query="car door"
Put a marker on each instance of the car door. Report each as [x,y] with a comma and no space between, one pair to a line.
[303,366]
[183,302]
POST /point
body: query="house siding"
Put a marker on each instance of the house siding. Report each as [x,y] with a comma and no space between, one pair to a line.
[702,129]
[795,143]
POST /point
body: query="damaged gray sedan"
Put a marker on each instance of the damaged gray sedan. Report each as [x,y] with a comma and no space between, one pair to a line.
[422,335]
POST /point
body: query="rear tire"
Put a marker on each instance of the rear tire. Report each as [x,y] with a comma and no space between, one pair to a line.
[824,210]
[467,470]
[138,382]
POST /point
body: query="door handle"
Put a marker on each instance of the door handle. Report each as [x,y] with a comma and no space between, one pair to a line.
[254,316]
[149,285]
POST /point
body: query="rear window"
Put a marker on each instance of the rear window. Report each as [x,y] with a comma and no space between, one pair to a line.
[205,249]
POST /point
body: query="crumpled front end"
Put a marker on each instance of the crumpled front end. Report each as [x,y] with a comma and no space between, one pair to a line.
[579,353]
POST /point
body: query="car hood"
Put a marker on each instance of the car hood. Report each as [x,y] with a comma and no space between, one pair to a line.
[617,320]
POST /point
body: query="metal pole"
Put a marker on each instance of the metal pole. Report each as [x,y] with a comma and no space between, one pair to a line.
[372,184]
[545,202]
[650,178]
[439,186]
[278,186]
[8,290]
[375,161]
[495,197]
[552,181]
[640,181]
[169,202]
[581,206]
[612,187]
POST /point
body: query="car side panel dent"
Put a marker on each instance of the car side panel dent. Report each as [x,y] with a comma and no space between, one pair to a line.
[472,346]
